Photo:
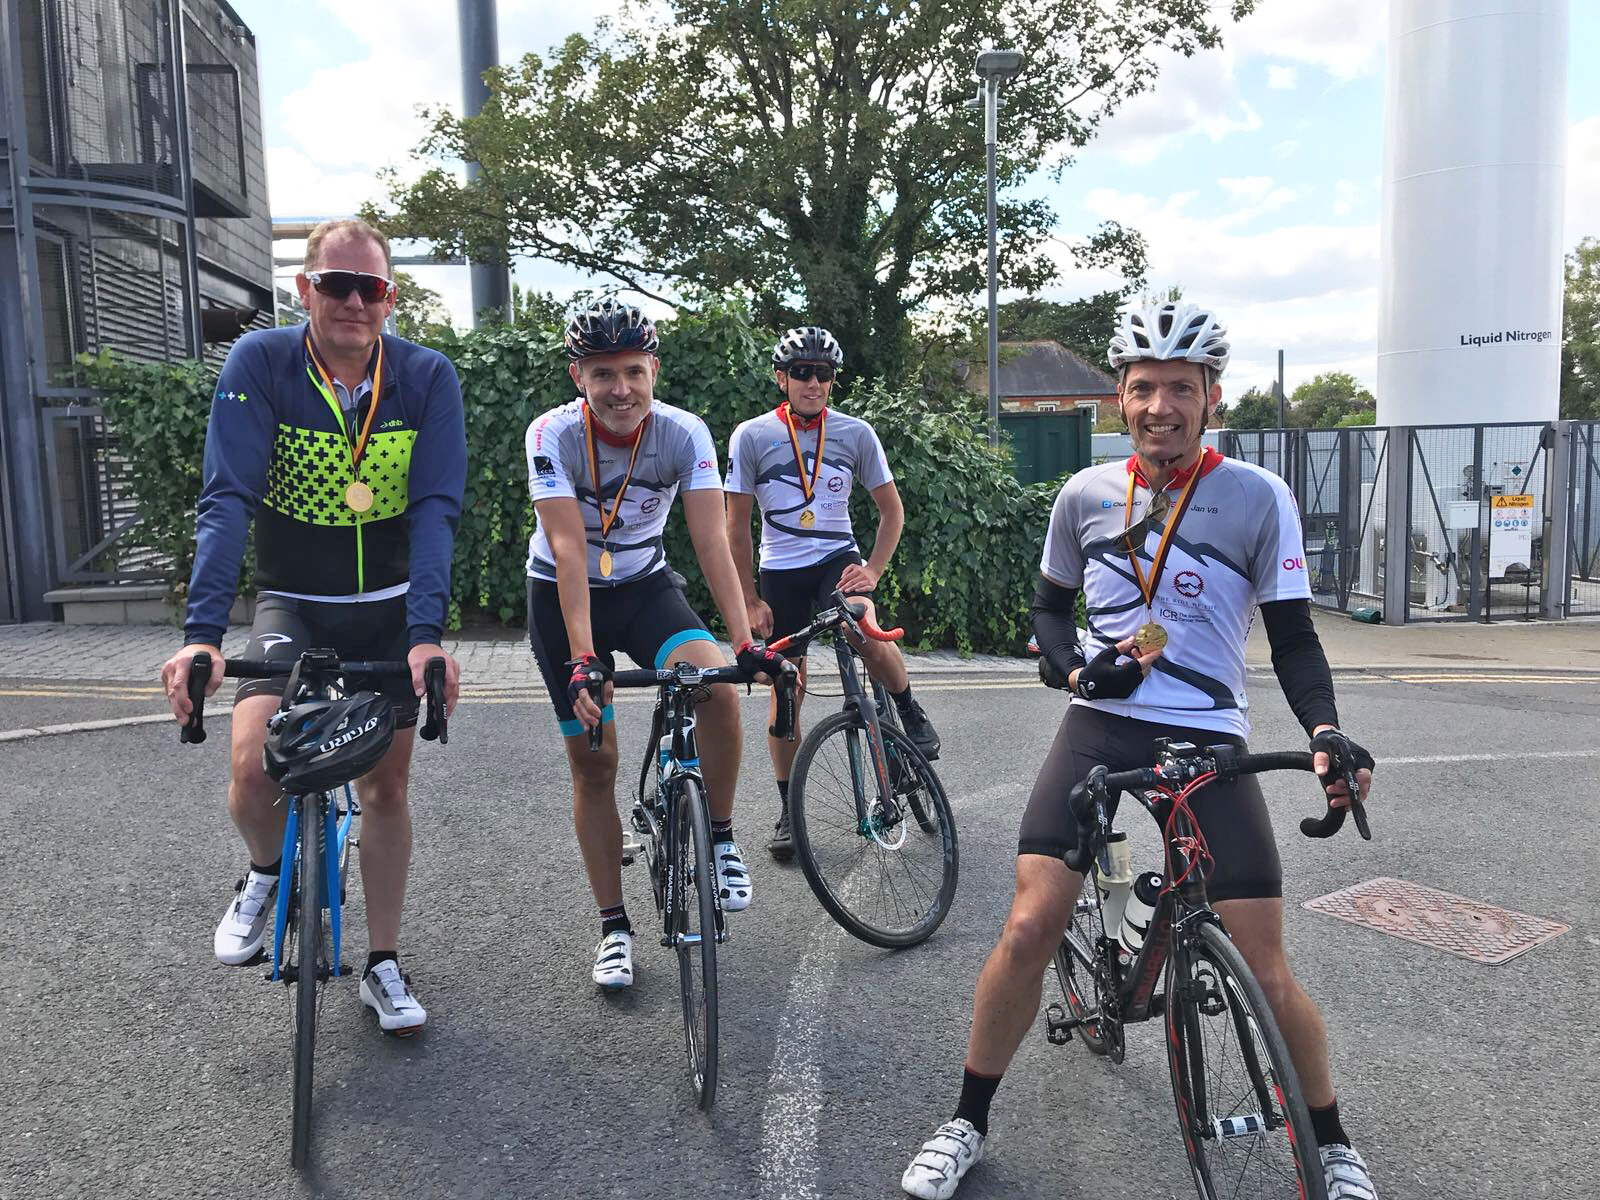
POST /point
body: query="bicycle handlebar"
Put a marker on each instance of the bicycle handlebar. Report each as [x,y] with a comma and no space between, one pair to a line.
[689,675]
[852,614]
[193,731]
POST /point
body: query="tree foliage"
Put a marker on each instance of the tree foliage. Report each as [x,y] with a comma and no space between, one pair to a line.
[1580,334]
[419,312]
[816,158]
[1324,401]
[1255,409]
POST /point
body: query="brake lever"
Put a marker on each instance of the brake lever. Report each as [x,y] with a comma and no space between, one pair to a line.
[193,731]
[437,726]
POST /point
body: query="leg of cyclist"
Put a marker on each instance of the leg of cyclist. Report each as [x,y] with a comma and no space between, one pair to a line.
[793,597]
[887,665]
[385,863]
[253,805]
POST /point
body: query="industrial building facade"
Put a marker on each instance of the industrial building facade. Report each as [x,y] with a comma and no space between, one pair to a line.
[134,218]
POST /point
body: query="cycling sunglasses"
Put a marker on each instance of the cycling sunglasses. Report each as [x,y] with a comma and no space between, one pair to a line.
[337,285]
[1134,536]
[804,372]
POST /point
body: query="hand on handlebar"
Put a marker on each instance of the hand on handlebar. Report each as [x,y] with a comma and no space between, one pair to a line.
[588,689]
[417,658]
[1335,757]
[175,678]
[763,664]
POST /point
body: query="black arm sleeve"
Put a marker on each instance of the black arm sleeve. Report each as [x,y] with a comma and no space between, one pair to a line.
[1301,666]
[1055,626]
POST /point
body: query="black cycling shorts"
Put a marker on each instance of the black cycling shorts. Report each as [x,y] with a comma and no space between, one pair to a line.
[374,630]
[647,619]
[1232,817]
[798,594]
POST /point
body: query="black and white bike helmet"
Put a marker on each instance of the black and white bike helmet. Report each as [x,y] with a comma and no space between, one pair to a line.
[1169,331]
[807,343]
[609,326]
[322,744]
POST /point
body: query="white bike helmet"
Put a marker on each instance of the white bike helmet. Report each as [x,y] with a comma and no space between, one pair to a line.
[1170,331]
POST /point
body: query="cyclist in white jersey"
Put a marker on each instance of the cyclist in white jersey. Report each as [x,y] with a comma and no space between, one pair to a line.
[603,471]
[799,462]
[1215,539]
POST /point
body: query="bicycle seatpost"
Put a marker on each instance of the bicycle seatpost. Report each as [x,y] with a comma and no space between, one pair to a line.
[193,731]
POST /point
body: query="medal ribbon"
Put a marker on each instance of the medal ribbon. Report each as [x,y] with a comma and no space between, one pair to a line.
[807,487]
[1164,545]
[607,520]
[359,448]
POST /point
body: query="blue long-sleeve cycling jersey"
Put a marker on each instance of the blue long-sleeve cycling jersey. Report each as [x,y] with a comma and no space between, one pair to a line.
[278,450]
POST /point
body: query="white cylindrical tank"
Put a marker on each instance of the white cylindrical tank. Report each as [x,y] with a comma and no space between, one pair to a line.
[1475,125]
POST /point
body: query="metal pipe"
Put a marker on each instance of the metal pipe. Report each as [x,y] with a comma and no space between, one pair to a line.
[991,92]
[480,50]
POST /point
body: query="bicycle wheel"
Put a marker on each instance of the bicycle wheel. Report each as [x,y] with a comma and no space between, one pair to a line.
[879,875]
[306,930]
[694,911]
[1083,988]
[1243,1120]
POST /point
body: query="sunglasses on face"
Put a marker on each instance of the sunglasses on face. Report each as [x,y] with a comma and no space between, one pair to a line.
[806,372]
[1134,536]
[337,285]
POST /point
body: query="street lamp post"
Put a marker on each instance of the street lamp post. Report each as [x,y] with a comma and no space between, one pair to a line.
[994,69]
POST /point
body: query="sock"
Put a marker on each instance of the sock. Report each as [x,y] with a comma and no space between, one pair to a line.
[1325,1124]
[783,791]
[722,831]
[615,919]
[270,872]
[902,700]
[374,957]
[977,1093]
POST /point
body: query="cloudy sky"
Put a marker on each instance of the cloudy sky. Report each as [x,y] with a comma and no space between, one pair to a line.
[1254,172]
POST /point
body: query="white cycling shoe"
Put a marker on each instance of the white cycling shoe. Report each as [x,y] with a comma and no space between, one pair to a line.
[733,877]
[613,960]
[1345,1174]
[950,1153]
[243,927]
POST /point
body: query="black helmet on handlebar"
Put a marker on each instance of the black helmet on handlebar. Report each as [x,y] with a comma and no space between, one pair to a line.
[322,744]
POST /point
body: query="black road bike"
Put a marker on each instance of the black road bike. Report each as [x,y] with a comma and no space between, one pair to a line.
[1244,1121]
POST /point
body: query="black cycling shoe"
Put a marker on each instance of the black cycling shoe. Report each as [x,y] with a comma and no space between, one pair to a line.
[920,730]
[781,847]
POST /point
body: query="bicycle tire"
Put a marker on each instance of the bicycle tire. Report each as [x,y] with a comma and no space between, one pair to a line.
[1081,988]
[695,913]
[840,849]
[1221,1033]
[306,917]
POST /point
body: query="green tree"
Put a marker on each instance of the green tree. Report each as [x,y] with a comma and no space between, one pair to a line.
[419,312]
[1255,409]
[817,159]
[1082,326]
[1324,401]
[1580,334]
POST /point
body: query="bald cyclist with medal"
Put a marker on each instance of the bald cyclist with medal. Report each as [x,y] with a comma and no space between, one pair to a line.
[1173,551]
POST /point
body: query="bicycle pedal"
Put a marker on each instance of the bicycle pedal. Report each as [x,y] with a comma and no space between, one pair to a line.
[1059,1026]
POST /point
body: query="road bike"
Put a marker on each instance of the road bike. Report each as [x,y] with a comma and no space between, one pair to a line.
[318,833]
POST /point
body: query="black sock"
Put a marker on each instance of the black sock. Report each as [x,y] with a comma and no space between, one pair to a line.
[613,920]
[374,957]
[1325,1124]
[783,791]
[977,1093]
[277,866]
[902,700]
[722,831]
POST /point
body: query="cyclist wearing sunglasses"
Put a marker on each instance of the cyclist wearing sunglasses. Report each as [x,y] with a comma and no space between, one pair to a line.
[1169,601]
[603,471]
[800,462]
[347,448]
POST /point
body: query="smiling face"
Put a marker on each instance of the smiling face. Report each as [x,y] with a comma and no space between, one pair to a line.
[619,388]
[346,329]
[1166,406]
[807,397]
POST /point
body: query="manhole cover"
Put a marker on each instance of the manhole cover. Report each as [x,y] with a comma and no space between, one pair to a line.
[1454,924]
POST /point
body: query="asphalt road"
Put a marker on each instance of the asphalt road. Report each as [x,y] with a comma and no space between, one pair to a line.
[135,1065]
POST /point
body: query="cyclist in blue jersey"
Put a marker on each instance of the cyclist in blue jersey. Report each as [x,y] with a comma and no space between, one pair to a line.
[799,462]
[347,449]
[603,471]
[1173,552]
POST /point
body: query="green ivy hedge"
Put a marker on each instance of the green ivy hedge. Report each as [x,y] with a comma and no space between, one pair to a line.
[962,576]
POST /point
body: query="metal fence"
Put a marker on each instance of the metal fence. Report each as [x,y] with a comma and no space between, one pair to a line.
[1583,520]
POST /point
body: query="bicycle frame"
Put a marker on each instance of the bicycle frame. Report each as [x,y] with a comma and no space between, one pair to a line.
[335,835]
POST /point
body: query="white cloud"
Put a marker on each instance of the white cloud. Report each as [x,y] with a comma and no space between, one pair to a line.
[1583,181]
[1281,79]
[1342,37]
[1347,194]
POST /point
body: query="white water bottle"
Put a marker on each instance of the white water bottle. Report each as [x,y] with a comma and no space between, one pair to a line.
[1115,885]
[1136,914]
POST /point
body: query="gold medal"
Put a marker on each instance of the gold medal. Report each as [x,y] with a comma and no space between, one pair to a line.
[1150,636]
[807,519]
[358,497]
[605,564]
[607,520]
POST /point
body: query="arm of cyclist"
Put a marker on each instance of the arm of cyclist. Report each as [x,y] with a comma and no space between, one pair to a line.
[1061,662]
[435,483]
[238,450]
[569,544]
[1302,669]
[863,577]
[703,512]
[740,545]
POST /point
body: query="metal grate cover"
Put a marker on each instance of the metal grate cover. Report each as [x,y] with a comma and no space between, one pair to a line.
[1467,928]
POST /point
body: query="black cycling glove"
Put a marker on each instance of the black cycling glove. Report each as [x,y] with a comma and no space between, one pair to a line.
[589,674]
[1104,678]
[1343,755]
[755,658]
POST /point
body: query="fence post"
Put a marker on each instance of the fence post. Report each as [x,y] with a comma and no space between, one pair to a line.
[1555,590]
[1397,528]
